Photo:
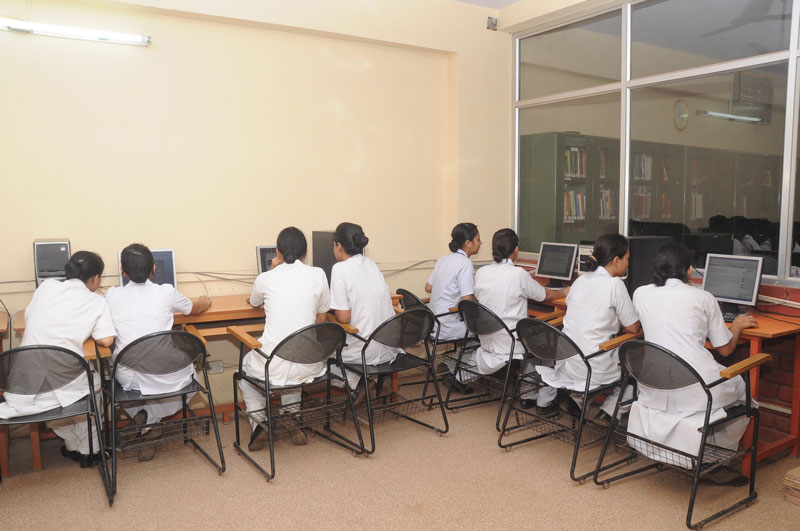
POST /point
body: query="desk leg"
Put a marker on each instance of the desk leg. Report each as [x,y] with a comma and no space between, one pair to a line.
[794,427]
[36,446]
[4,449]
[755,373]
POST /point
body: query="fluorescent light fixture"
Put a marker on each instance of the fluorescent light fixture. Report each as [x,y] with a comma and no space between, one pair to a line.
[70,32]
[727,116]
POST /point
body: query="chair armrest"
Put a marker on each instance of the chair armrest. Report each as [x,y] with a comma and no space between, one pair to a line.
[745,365]
[248,340]
[192,329]
[350,329]
[103,352]
[552,315]
[558,321]
[617,341]
[452,310]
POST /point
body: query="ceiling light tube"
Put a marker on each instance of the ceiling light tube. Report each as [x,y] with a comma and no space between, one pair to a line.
[71,32]
[727,116]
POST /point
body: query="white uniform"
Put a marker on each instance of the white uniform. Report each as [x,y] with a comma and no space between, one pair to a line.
[680,317]
[358,285]
[63,314]
[596,306]
[452,278]
[505,289]
[138,309]
[292,295]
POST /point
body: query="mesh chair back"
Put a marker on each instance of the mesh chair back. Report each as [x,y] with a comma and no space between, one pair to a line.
[479,319]
[410,300]
[39,369]
[161,352]
[311,344]
[545,341]
[656,367]
[405,329]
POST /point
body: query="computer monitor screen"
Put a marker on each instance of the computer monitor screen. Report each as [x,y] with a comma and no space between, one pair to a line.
[556,260]
[49,258]
[733,279]
[264,256]
[164,260]
[584,252]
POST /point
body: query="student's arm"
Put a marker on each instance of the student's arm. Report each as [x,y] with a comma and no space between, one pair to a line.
[555,294]
[105,341]
[321,317]
[343,316]
[469,298]
[632,329]
[428,287]
[739,324]
[200,304]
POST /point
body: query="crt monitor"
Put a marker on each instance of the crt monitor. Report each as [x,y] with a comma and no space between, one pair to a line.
[323,257]
[164,260]
[733,279]
[556,260]
[49,258]
[264,256]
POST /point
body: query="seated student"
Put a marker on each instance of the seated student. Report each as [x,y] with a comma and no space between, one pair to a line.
[452,281]
[65,314]
[679,317]
[597,305]
[294,295]
[140,308]
[505,289]
[360,297]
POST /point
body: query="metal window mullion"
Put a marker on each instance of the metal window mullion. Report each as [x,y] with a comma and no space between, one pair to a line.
[600,90]
[516,154]
[788,183]
[625,121]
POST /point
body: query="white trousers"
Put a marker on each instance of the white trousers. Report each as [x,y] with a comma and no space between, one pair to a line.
[544,396]
[156,409]
[256,400]
[75,432]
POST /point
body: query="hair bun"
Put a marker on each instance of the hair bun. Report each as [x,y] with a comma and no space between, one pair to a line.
[361,240]
[453,246]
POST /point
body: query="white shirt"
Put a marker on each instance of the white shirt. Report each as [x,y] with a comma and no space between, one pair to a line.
[358,285]
[505,289]
[138,309]
[596,306]
[63,314]
[292,295]
[452,278]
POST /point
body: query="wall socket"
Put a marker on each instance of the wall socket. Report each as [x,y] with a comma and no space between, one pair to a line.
[215,367]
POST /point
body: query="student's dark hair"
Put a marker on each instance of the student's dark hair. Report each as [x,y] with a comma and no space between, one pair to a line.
[292,244]
[351,237]
[672,261]
[606,248]
[461,234]
[504,242]
[84,265]
[137,262]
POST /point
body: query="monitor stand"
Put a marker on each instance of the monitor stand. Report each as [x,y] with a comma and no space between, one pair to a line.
[730,307]
[555,284]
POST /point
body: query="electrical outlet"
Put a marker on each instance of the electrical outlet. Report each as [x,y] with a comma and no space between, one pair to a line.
[215,367]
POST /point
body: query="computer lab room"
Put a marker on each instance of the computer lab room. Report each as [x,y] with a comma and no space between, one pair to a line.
[400,264]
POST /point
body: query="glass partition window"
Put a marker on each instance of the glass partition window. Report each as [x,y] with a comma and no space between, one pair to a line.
[569,171]
[668,35]
[581,55]
[715,183]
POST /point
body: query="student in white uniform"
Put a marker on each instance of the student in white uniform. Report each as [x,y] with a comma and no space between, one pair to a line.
[294,295]
[453,280]
[679,317]
[505,289]
[360,297]
[140,308]
[598,304]
[65,314]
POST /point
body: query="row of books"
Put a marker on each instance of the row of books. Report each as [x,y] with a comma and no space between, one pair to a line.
[642,167]
[640,202]
[696,211]
[608,204]
[574,205]
[575,160]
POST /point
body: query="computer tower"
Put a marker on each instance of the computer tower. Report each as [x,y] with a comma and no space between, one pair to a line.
[49,258]
[322,248]
[643,251]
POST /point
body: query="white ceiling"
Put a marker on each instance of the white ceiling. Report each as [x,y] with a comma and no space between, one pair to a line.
[494,4]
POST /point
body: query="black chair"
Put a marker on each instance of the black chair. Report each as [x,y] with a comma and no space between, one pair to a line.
[155,354]
[401,331]
[656,367]
[547,343]
[481,321]
[316,343]
[40,369]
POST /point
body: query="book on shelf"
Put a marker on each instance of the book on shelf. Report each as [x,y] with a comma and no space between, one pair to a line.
[575,159]
[608,203]
[642,167]
[766,178]
[666,207]
[664,176]
[697,205]
[641,202]
[602,163]
[574,205]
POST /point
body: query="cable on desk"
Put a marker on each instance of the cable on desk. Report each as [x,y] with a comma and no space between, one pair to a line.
[769,315]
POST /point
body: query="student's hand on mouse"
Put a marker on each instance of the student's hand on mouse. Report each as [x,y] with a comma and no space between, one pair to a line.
[744,321]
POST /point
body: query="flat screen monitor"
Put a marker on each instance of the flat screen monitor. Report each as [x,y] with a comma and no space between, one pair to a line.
[164,260]
[556,260]
[733,279]
[49,258]
[264,256]
[584,252]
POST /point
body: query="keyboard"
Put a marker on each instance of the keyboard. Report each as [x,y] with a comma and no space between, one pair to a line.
[729,317]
